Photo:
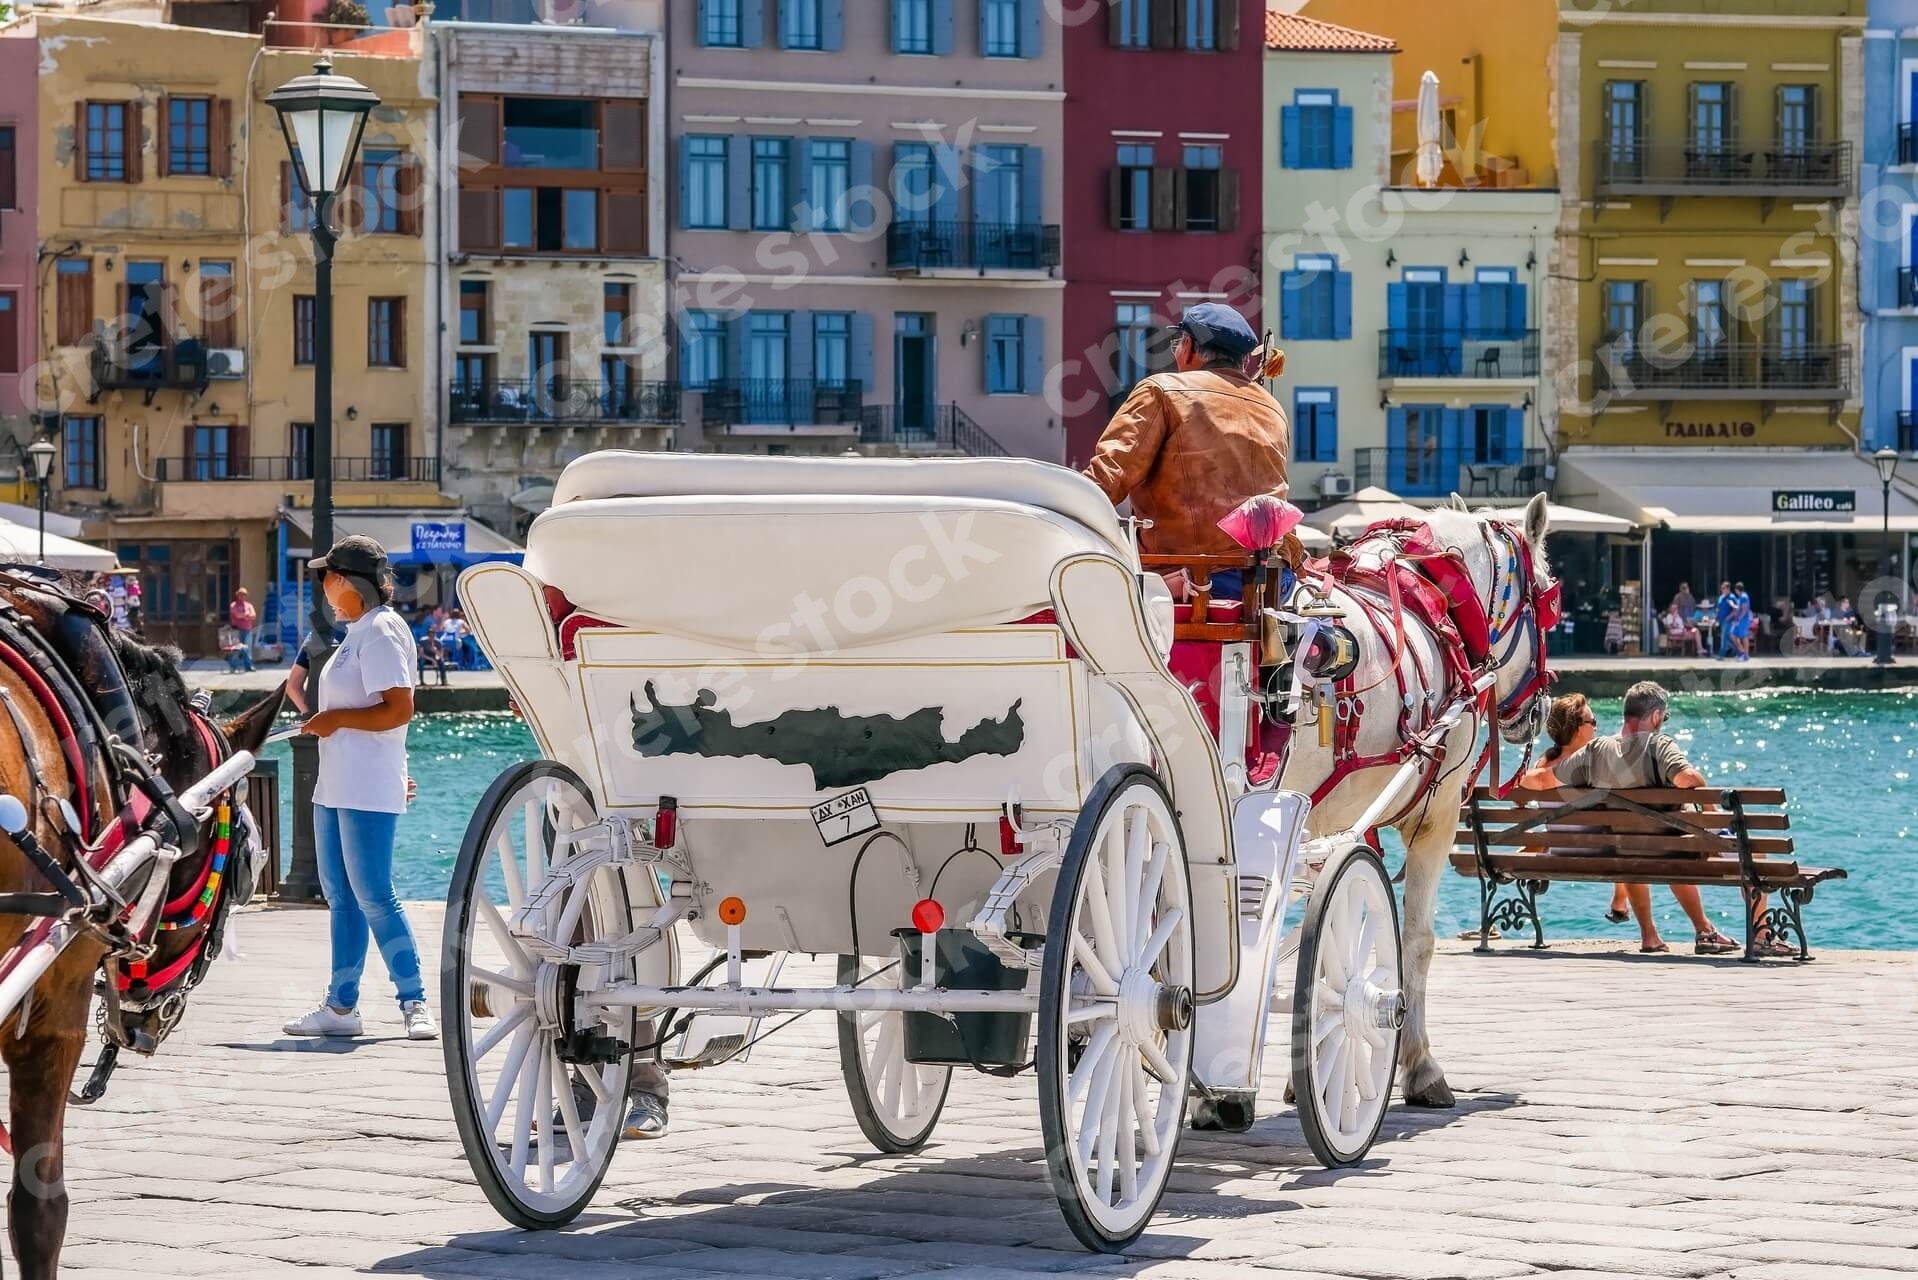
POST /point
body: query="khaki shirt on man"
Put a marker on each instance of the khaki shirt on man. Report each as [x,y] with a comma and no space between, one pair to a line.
[1619,762]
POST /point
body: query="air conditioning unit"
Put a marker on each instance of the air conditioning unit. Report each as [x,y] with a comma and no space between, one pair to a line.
[1335,485]
[226,362]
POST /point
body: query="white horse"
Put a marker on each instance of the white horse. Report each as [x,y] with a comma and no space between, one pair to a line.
[1428,824]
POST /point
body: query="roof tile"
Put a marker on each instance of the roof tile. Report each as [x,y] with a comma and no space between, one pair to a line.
[1295,33]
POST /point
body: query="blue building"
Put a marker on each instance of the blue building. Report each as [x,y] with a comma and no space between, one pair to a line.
[1888,230]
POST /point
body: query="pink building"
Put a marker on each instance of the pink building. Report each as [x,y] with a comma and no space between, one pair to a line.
[19,185]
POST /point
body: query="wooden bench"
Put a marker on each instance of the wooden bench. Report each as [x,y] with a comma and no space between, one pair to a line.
[1711,836]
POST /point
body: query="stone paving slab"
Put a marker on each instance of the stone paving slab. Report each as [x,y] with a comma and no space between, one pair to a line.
[1619,1116]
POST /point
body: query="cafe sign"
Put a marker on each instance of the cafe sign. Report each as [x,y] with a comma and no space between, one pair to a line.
[439,536]
[1814,502]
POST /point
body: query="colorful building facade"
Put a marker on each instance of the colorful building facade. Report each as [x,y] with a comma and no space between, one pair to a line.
[19,201]
[1888,228]
[1163,204]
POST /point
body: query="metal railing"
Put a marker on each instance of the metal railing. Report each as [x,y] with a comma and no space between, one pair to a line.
[1458,353]
[122,364]
[972,246]
[218,467]
[949,429]
[539,401]
[1907,431]
[1436,472]
[1734,370]
[781,402]
[1731,167]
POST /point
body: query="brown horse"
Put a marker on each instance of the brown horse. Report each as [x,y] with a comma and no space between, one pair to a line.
[134,693]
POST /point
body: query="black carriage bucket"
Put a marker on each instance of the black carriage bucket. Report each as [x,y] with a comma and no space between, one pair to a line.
[965,1039]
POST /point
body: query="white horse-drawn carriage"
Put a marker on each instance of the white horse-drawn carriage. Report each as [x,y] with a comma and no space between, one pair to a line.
[918,716]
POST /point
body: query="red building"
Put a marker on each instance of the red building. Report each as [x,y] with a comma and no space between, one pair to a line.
[1162,183]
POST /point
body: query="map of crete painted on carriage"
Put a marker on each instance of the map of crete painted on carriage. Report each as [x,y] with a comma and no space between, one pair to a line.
[842,750]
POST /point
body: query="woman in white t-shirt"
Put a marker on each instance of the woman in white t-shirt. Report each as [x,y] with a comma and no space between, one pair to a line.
[366,701]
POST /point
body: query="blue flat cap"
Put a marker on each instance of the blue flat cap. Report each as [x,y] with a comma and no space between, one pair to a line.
[1213,324]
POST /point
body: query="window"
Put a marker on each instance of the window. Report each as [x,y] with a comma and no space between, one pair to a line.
[1713,126]
[550,133]
[73,302]
[1131,24]
[1315,300]
[385,333]
[1203,208]
[9,169]
[296,208]
[304,328]
[998,195]
[219,304]
[579,211]
[1315,424]
[831,348]
[829,183]
[618,313]
[473,382]
[547,357]
[799,26]
[299,451]
[516,222]
[549,175]
[1133,207]
[772,160]
[1492,298]
[618,379]
[1201,23]
[999,28]
[1624,145]
[1624,310]
[474,327]
[719,23]
[380,199]
[189,140]
[913,199]
[1005,355]
[212,452]
[766,346]
[1797,118]
[1794,321]
[146,318]
[1133,329]
[389,452]
[106,142]
[1708,316]
[912,26]
[703,195]
[1315,132]
[9,331]
[702,349]
[85,459]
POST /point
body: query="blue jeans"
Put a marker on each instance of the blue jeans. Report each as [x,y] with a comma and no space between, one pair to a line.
[355,851]
[1229,584]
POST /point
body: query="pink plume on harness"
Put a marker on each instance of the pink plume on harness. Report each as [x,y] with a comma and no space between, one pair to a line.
[1261,521]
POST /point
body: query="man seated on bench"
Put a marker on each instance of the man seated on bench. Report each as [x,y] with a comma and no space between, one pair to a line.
[1640,754]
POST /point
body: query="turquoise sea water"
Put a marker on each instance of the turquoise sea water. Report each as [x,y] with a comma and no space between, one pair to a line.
[1849,763]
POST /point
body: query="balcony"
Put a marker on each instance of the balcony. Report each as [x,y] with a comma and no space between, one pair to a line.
[1481,355]
[1729,371]
[1907,432]
[215,468]
[1765,170]
[971,248]
[949,431]
[782,406]
[541,402]
[1437,473]
[150,368]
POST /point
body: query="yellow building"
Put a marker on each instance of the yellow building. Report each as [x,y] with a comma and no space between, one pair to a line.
[176,303]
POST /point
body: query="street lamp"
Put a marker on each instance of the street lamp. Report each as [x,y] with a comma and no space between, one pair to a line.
[1886,460]
[322,117]
[41,453]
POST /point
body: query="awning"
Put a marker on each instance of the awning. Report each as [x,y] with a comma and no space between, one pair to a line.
[21,514]
[1734,490]
[418,537]
[20,544]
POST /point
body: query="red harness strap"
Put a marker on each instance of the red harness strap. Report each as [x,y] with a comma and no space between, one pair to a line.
[69,740]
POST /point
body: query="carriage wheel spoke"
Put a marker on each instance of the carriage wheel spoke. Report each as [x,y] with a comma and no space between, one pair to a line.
[1160,1065]
[1093,1012]
[496,923]
[1367,1075]
[1097,913]
[1368,933]
[1128,1121]
[1138,847]
[1109,1139]
[534,814]
[503,982]
[509,870]
[543,1099]
[500,1030]
[1148,1117]
[597,1083]
[1089,1120]
[1094,968]
[1089,1063]
[569,1113]
[523,1114]
[503,1087]
[1170,921]
[1149,891]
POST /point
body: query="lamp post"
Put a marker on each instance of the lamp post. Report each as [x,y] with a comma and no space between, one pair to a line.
[40,453]
[322,117]
[1886,460]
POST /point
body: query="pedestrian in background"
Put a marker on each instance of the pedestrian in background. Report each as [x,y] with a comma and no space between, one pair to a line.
[243,617]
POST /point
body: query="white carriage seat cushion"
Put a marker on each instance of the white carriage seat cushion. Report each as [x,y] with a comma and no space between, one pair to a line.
[806,573]
[619,473]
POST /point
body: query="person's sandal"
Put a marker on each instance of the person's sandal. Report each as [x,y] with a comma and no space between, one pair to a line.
[1767,945]
[1656,949]
[1617,917]
[1714,943]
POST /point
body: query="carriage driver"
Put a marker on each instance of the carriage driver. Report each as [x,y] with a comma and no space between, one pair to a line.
[1189,446]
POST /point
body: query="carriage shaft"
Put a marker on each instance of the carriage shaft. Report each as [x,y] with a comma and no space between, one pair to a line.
[801,999]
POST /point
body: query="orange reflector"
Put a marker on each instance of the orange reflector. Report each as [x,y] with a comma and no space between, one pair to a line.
[927,915]
[732,911]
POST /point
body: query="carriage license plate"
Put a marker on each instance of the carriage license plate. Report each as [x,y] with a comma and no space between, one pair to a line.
[843,817]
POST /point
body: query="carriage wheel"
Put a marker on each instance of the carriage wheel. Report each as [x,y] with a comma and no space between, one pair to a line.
[896,1102]
[1347,1008]
[1115,1010]
[539,1132]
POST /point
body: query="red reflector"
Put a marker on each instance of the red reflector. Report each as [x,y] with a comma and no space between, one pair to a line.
[666,823]
[927,915]
[1008,835]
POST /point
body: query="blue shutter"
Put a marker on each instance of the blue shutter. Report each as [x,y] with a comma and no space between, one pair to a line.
[895,26]
[1342,137]
[1032,28]
[752,23]
[1341,304]
[1395,426]
[734,327]
[948,175]
[1452,434]
[1395,310]
[1031,186]
[1032,331]
[799,160]
[859,354]
[1451,351]
[799,346]
[942,27]
[863,213]
[1289,142]
[1474,311]
[739,182]
[1519,312]
[988,330]
[699,23]
[685,181]
[1328,440]
[832,25]
[1514,439]
[1291,301]
[686,339]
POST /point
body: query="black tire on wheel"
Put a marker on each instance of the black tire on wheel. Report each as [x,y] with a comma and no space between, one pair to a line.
[1124,790]
[1355,879]
[507,798]
[900,1133]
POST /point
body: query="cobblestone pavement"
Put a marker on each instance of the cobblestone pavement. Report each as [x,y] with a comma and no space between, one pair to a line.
[1619,1116]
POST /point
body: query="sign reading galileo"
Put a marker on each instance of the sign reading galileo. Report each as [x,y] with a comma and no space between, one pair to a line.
[1818,502]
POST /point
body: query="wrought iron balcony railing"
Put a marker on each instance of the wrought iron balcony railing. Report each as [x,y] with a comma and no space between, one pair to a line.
[1436,472]
[560,400]
[222,466]
[948,429]
[1458,353]
[782,402]
[1728,168]
[1728,371]
[971,246]
[121,364]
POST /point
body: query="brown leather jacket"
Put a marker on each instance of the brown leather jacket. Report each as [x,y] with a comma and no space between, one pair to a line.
[1189,447]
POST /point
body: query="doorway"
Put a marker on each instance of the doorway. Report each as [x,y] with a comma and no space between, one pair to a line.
[916,374]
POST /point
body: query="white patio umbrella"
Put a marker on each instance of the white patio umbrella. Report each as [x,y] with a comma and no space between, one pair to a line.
[20,544]
[1431,160]
[1366,507]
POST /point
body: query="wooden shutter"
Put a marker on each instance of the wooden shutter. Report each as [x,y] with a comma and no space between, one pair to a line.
[1180,210]
[80,141]
[351,205]
[1228,24]
[1732,112]
[623,137]
[288,194]
[399,332]
[162,136]
[624,226]
[1228,199]
[240,452]
[479,124]
[1164,24]
[9,182]
[479,219]
[1115,27]
[74,306]
[217,302]
[1115,196]
[1165,202]
[136,141]
[220,129]
[410,199]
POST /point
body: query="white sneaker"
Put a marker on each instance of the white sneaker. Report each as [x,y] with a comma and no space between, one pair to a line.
[419,1023]
[325,1021]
